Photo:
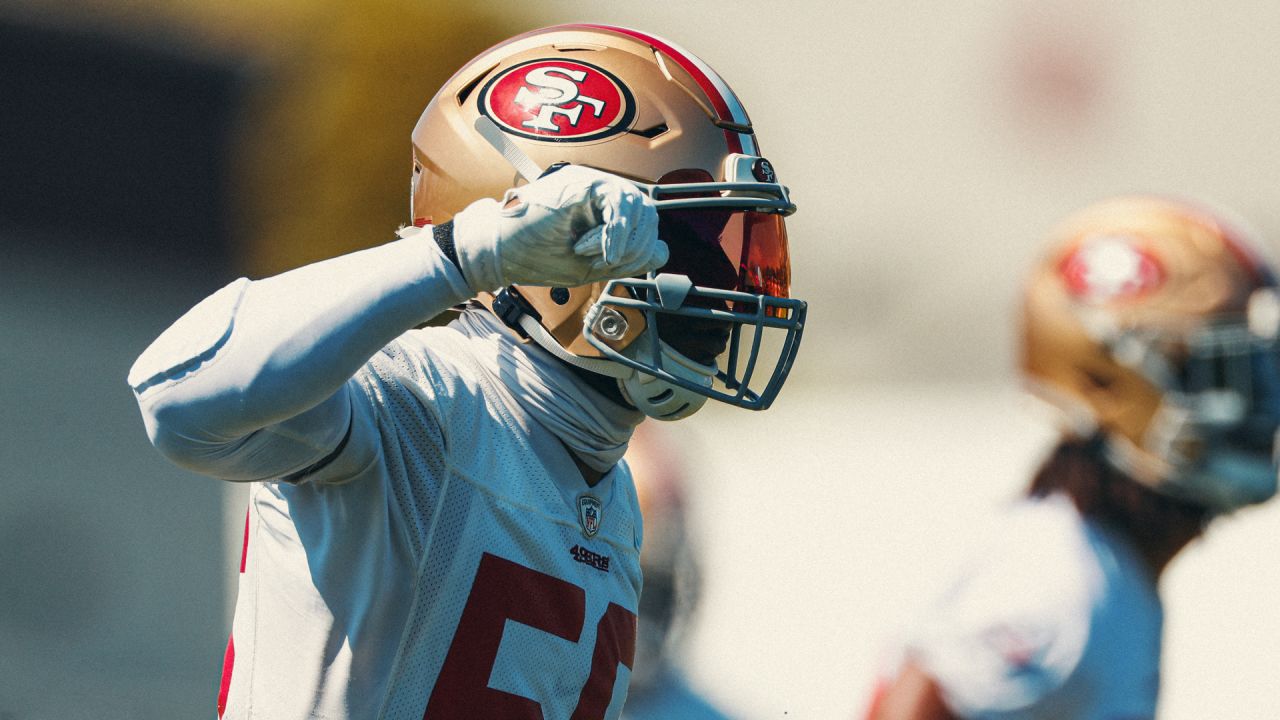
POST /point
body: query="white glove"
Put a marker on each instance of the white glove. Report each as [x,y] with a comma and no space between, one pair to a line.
[572,227]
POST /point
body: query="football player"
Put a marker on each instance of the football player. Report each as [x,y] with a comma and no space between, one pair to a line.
[439,524]
[1151,324]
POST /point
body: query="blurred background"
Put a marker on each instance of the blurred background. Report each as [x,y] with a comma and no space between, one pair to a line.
[152,151]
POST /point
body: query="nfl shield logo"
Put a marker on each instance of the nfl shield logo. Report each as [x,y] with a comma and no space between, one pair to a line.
[589,514]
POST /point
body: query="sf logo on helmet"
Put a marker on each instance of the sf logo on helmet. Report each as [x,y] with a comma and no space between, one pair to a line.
[558,100]
[557,89]
[1104,268]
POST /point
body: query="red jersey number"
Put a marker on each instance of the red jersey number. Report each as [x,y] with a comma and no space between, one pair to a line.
[504,590]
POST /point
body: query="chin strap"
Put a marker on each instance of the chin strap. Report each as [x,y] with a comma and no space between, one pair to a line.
[517,315]
[536,332]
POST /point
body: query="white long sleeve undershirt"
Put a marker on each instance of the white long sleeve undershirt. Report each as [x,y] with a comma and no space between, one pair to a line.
[252,383]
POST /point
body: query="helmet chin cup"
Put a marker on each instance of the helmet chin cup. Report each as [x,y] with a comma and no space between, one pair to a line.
[657,398]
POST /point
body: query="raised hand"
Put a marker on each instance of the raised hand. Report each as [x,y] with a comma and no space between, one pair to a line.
[572,227]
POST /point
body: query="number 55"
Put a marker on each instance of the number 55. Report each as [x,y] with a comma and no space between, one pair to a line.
[504,590]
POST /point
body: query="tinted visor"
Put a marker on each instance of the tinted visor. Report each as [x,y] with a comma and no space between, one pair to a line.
[740,250]
[727,248]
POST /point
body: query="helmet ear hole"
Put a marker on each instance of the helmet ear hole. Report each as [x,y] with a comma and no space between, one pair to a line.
[1119,398]
[1097,381]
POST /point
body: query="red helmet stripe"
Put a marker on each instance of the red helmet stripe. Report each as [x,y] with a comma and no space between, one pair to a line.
[1239,241]
[726,104]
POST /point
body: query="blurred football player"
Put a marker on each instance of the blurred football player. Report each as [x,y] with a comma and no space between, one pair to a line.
[1151,324]
[439,526]
[659,688]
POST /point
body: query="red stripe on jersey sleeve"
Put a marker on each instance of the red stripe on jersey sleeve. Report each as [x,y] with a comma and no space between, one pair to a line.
[244,549]
[228,661]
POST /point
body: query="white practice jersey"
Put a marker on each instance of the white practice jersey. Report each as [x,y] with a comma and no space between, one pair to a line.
[1054,617]
[416,546]
[438,565]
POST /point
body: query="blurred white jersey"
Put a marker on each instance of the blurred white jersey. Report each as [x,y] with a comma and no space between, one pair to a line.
[453,525]
[1055,617]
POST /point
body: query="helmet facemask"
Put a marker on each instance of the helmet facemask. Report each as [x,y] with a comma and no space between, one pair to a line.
[729,270]
[1218,425]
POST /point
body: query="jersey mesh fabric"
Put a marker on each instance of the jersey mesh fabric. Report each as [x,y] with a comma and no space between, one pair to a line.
[412,443]
[500,500]
[382,560]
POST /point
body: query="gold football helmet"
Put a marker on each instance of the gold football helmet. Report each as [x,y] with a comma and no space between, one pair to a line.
[1153,323]
[634,105]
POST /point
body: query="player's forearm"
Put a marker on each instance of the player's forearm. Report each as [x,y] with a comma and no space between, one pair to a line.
[257,354]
